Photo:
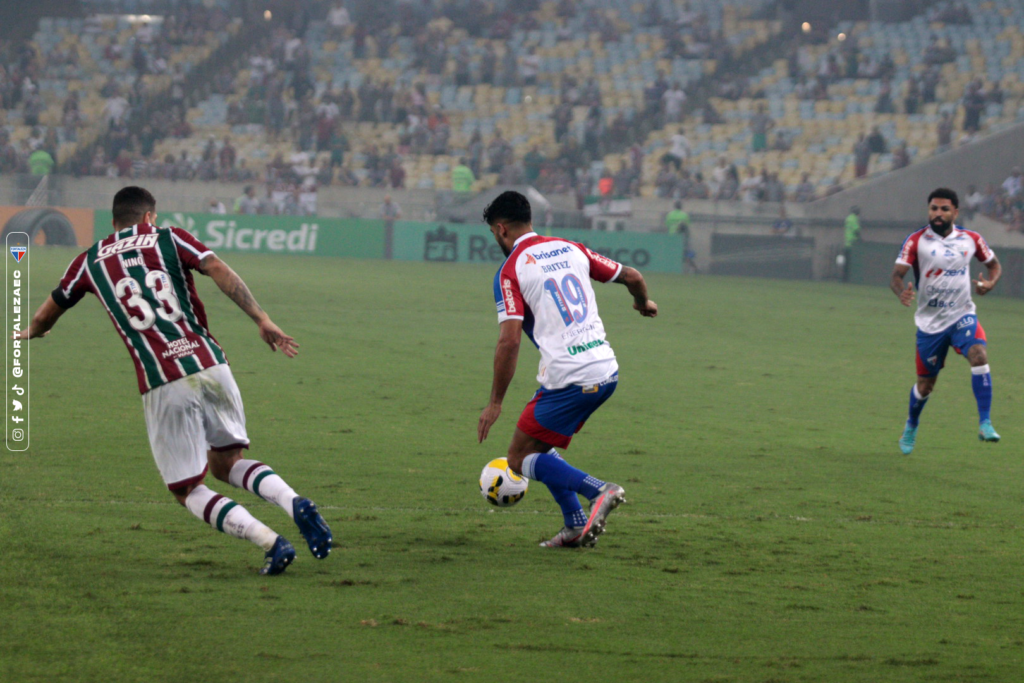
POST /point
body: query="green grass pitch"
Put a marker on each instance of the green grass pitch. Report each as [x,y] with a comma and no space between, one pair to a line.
[774,531]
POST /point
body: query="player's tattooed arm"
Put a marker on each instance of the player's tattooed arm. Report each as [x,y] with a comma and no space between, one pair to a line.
[233,286]
[637,286]
[236,290]
[904,292]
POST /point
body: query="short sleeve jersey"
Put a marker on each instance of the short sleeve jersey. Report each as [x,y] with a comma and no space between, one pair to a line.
[142,276]
[545,282]
[942,274]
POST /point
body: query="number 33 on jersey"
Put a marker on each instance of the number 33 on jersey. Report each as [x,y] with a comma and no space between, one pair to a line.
[142,276]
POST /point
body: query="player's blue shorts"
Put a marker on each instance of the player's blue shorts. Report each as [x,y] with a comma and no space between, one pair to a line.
[554,415]
[932,348]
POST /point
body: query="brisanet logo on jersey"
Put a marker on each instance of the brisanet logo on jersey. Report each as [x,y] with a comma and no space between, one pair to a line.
[17,315]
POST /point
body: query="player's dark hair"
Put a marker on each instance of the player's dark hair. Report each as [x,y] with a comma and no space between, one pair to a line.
[945,193]
[131,204]
[508,207]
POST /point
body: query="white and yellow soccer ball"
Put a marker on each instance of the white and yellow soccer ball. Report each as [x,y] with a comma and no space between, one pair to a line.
[501,486]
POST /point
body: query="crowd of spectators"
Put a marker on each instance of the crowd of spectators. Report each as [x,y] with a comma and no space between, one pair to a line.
[1004,202]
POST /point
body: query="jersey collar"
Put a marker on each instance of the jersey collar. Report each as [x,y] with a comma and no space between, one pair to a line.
[523,238]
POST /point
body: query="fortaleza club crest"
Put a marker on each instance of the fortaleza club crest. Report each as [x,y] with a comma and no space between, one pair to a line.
[18,253]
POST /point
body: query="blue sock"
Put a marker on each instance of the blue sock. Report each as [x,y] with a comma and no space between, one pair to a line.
[572,511]
[981,381]
[556,473]
[916,406]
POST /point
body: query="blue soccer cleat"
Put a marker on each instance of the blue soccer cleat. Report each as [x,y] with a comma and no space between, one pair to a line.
[908,438]
[986,432]
[280,555]
[313,527]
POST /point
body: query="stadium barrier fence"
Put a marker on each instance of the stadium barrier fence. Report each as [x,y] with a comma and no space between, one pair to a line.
[400,240]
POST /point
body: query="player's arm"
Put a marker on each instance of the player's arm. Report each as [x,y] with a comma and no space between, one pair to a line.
[637,286]
[236,290]
[506,355]
[43,320]
[995,271]
[904,292]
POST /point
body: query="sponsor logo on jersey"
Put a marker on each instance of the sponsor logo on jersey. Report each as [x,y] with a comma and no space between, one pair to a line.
[179,348]
[19,253]
[601,259]
[583,348]
[950,253]
[966,321]
[541,255]
[127,244]
[935,272]
[510,301]
[530,259]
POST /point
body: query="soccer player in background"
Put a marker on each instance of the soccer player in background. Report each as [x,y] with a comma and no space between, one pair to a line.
[543,289]
[142,275]
[940,254]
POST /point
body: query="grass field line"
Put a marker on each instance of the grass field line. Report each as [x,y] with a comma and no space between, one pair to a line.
[890,521]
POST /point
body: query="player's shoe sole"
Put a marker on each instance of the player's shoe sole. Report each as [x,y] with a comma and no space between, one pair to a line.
[609,497]
[565,538]
[277,559]
[312,527]
[908,439]
[987,432]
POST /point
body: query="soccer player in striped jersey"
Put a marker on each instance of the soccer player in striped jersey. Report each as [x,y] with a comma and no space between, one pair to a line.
[940,254]
[543,289]
[142,276]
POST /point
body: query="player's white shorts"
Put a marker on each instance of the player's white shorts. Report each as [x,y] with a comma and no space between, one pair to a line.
[189,416]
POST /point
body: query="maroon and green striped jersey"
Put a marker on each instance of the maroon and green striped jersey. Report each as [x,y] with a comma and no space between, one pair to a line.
[143,277]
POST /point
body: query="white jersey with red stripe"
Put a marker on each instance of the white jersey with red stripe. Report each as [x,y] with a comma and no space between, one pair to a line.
[942,274]
[143,277]
[545,282]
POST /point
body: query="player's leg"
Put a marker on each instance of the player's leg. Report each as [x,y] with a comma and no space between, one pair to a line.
[552,417]
[931,355]
[176,436]
[972,344]
[224,422]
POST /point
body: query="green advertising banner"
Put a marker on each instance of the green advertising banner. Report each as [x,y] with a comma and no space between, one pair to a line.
[235,233]
[413,241]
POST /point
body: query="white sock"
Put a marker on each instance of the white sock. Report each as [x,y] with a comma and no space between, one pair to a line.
[224,514]
[255,477]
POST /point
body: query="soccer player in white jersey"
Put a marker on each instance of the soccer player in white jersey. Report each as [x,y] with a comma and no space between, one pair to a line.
[142,275]
[543,289]
[940,254]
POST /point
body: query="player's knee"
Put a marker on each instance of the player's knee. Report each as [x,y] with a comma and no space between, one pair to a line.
[181,493]
[221,462]
[978,355]
[925,386]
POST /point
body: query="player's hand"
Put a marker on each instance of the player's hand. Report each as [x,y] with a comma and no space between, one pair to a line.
[648,310]
[907,295]
[487,418]
[276,339]
[982,286]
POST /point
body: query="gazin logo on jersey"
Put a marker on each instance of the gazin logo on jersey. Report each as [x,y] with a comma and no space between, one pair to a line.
[18,253]
[127,244]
